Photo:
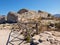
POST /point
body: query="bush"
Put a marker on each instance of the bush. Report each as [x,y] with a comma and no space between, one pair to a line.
[28,38]
[57,25]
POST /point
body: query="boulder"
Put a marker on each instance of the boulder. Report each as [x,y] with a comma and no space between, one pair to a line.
[22,11]
[2,19]
[12,17]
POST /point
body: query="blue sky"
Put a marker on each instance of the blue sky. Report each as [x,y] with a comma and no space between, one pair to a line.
[51,6]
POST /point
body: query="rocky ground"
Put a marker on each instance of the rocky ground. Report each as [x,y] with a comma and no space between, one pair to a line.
[48,38]
[44,38]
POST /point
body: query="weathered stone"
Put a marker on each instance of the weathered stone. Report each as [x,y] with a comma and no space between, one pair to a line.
[44,43]
[44,36]
[2,19]
[46,32]
[58,38]
[51,40]
[36,37]
[12,17]
[56,33]
[22,11]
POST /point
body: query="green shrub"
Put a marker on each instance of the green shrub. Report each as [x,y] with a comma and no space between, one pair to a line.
[28,38]
[3,25]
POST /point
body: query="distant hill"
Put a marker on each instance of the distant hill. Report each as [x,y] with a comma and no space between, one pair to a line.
[57,15]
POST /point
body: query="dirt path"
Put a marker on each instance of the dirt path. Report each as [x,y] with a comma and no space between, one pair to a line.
[4,36]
